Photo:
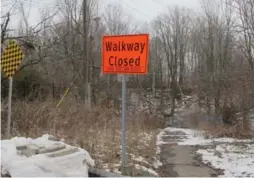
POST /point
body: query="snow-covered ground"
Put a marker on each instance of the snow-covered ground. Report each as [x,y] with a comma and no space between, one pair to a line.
[75,164]
[234,156]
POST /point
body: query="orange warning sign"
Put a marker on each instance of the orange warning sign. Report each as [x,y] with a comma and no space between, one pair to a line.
[125,54]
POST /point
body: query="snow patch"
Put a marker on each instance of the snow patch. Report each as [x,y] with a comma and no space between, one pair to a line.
[159,141]
[234,163]
[139,159]
[150,171]
[234,156]
[196,137]
[157,163]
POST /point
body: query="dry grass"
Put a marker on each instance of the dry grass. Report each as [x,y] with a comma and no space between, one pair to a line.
[220,130]
[97,130]
[239,130]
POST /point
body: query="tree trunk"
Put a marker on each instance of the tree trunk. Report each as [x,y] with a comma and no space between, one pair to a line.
[181,67]
[173,95]
[217,102]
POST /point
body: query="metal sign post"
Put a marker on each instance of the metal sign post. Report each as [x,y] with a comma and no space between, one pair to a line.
[9,108]
[125,55]
[123,124]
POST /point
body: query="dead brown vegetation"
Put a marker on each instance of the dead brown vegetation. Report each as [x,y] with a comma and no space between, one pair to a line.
[242,129]
[97,130]
[235,131]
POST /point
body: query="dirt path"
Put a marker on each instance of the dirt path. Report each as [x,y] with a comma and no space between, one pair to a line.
[180,160]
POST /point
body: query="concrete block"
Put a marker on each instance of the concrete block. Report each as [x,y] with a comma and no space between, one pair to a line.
[28,152]
[52,138]
[64,152]
[21,147]
[51,149]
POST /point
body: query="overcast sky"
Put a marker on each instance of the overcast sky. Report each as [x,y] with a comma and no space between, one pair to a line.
[142,10]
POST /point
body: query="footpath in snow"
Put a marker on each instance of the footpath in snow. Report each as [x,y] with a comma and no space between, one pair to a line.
[234,156]
[44,158]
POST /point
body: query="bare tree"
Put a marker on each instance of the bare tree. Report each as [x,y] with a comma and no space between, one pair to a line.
[29,38]
[173,32]
[245,11]
[215,43]
[4,26]
[116,22]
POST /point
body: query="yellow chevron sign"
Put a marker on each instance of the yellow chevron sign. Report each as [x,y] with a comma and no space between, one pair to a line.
[11,58]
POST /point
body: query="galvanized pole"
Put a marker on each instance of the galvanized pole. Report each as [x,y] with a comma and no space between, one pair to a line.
[9,108]
[123,124]
[85,57]
[153,81]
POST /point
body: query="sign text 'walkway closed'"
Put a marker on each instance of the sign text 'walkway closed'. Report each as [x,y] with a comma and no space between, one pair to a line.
[125,54]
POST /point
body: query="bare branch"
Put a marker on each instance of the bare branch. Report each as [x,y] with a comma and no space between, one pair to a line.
[4,27]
